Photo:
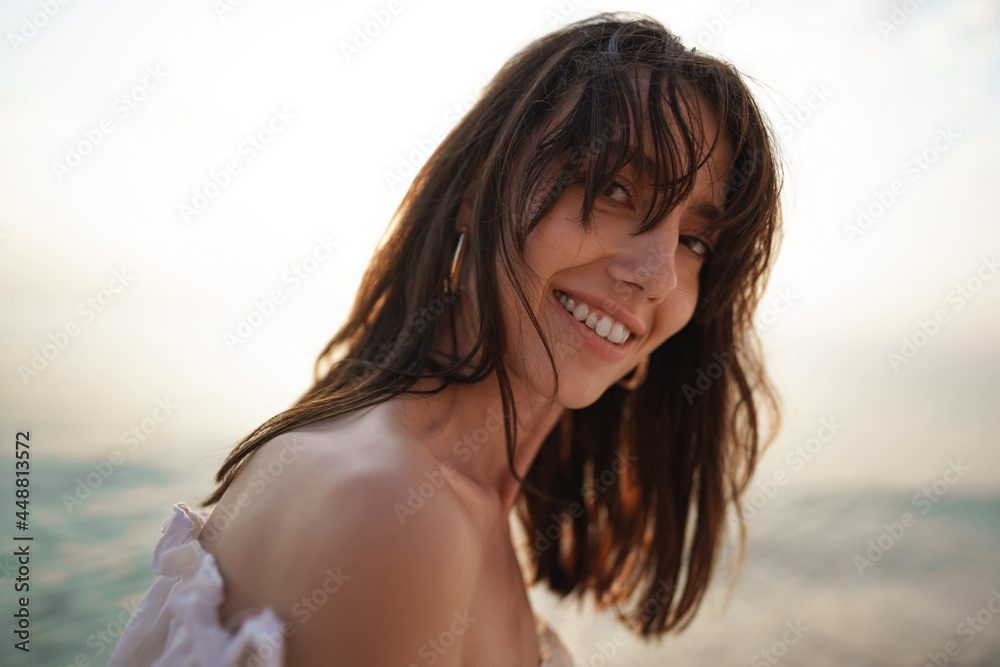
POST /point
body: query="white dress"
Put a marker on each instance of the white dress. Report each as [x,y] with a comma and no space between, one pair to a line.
[177,624]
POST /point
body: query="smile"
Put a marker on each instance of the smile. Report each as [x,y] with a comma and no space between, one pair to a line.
[600,323]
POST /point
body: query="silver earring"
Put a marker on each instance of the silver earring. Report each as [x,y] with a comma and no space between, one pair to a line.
[456,266]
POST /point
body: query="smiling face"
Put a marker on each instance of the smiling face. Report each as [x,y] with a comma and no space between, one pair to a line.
[606,295]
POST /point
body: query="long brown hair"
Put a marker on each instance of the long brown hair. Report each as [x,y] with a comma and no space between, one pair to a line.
[597,521]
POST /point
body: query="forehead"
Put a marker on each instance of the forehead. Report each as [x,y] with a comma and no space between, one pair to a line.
[714,152]
[700,119]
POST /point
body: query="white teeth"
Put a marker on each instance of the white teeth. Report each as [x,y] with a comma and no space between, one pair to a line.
[606,327]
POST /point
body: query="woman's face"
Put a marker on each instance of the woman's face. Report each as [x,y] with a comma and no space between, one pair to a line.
[604,297]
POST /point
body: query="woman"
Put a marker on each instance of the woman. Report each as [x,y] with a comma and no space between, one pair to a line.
[559,320]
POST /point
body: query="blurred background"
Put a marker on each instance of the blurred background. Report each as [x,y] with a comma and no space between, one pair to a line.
[189,193]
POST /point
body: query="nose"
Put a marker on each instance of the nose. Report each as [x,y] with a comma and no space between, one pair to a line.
[648,262]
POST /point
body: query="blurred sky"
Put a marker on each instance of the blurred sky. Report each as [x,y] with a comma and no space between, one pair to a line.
[161,97]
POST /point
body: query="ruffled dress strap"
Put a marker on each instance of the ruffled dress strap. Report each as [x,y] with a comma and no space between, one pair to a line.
[176,624]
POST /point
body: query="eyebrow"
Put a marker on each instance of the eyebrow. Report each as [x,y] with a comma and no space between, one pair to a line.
[713,216]
[642,162]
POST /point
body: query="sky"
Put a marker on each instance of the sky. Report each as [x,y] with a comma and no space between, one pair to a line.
[190,192]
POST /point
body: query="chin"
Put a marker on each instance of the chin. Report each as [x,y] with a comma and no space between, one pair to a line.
[578,401]
[577,393]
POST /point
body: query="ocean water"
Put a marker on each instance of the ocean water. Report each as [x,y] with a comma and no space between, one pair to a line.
[89,556]
[803,598]
[800,599]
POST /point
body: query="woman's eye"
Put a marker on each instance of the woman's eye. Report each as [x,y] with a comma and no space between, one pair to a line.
[617,192]
[697,246]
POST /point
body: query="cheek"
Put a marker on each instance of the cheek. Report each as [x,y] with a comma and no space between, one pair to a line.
[673,314]
[688,284]
[519,331]
[559,240]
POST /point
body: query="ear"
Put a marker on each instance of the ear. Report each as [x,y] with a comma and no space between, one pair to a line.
[464,218]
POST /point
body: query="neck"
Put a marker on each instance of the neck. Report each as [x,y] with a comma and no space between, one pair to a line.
[464,426]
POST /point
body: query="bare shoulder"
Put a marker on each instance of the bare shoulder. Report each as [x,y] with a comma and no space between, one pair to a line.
[373,585]
[365,555]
